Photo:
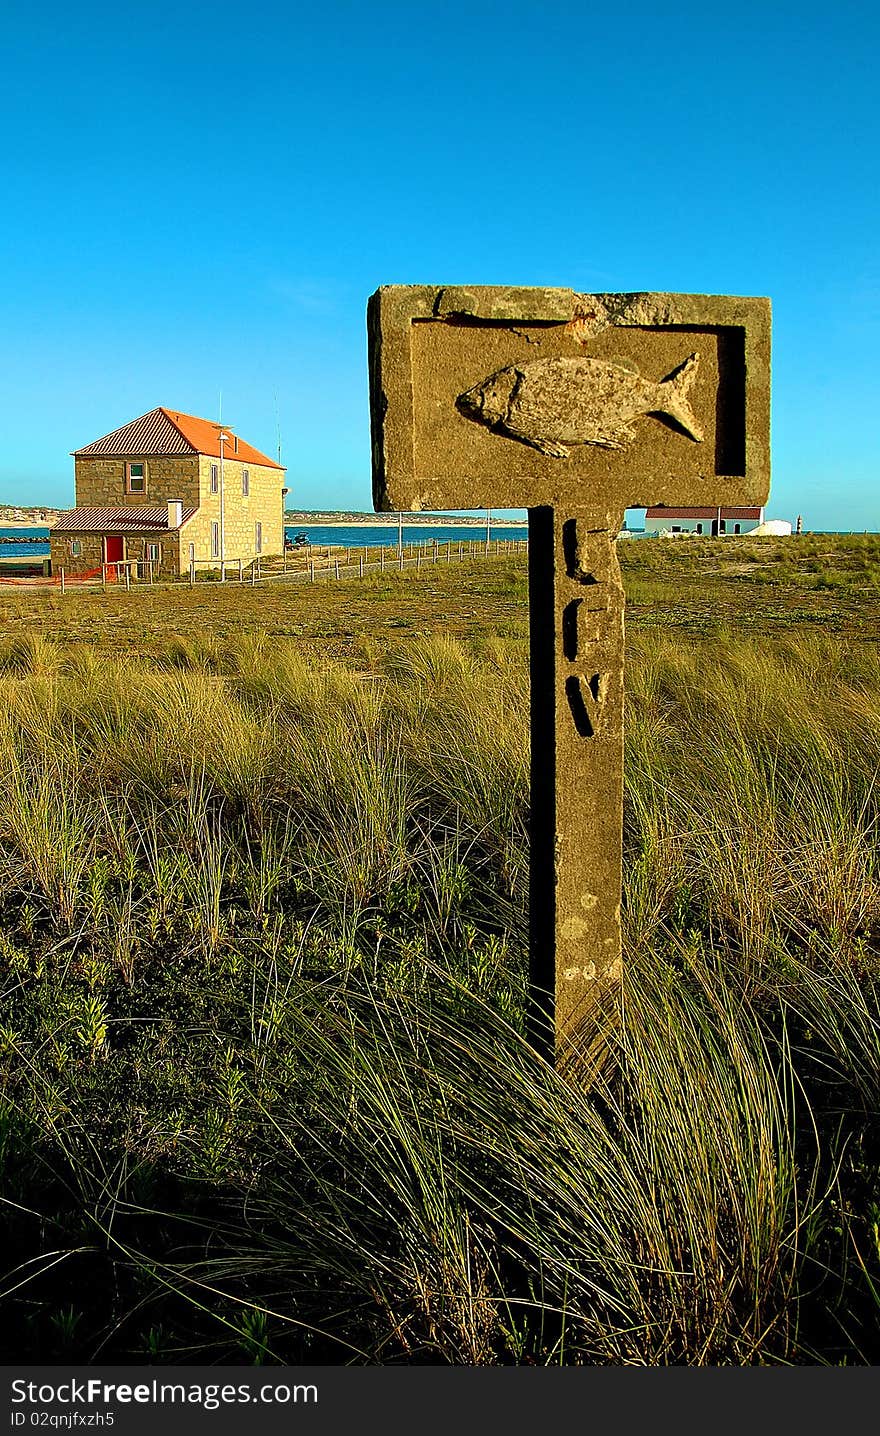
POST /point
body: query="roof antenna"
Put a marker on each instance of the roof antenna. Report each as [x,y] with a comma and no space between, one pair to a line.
[277,427]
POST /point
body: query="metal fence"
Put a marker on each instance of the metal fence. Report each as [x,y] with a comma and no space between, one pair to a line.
[307,564]
[354,562]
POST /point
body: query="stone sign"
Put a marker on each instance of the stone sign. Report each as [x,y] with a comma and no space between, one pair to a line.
[574,406]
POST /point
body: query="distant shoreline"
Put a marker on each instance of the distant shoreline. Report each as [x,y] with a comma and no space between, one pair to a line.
[28,523]
[412,520]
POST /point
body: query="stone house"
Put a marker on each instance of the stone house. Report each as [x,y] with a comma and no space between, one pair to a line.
[171,490]
[710,521]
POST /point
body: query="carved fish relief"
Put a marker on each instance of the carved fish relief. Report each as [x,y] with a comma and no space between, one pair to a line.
[551,404]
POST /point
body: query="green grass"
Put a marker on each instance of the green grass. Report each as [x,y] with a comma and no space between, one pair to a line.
[264,1089]
[810,584]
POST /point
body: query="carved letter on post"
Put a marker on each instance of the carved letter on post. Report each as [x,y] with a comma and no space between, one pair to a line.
[574,406]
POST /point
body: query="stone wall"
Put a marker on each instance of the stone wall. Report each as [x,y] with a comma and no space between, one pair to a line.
[91,552]
[263,504]
[100,483]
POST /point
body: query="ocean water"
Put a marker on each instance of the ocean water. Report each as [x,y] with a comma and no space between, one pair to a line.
[385,535]
[374,535]
[349,536]
[11,546]
[320,535]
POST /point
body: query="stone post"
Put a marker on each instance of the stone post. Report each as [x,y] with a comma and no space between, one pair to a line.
[575,407]
[576,667]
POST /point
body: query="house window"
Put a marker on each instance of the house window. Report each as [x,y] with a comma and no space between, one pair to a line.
[736,528]
[136,478]
[215,540]
[76,548]
[152,552]
[723,526]
[699,528]
[258,538]
[215,482]
[245,483]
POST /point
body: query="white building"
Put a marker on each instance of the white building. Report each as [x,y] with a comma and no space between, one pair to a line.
[773,528]
[709,521]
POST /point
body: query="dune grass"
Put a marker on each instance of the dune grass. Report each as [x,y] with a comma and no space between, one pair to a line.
[265,1093]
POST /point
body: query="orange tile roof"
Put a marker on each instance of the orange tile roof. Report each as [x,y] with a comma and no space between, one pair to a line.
[167,431]
[204,436]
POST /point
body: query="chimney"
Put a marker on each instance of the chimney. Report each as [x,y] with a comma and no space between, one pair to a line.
[175,513]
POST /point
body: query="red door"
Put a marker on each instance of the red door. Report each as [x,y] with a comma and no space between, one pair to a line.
[114,552]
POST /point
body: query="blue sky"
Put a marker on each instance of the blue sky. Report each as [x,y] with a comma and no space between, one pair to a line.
[202,198]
